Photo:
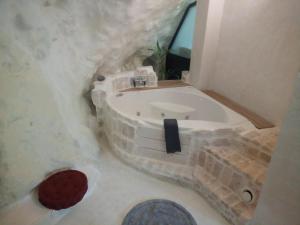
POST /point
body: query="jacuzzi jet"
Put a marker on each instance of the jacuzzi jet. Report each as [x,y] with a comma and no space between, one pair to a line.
[138,113]
[187,117]
[163,109]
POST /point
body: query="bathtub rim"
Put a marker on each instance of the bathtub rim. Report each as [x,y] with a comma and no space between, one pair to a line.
[183,124]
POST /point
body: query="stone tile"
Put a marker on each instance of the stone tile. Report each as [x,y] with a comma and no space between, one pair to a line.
[268,149]
[187,176]
[212,184]
[155,133]
[203,133]
[185,138]
[231,200]
[223,192]
[160,156]
[129,146]
[253,170]
[200,143]
[158,145]
[264,157]
[220,142]
[201,176]
[127,130]
[218,166]
[251,134]
[226,153]
[221,153]
[240,162]
[236,182]
[209,163]
[271,144]
[226,175]
[252,152]
[261,178]
[201,158]
[224,131]
[240,129]
[239,208]
[248,213]
[233,158]
[193,158]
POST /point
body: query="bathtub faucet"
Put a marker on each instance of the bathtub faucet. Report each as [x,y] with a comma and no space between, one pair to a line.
[138,81]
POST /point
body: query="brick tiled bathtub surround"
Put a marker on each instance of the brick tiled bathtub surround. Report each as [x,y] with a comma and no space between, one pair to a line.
[222,163]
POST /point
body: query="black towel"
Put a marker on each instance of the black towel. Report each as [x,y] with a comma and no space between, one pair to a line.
[172,136]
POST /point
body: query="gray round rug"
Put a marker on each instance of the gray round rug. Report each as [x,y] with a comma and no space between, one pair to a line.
[158,212]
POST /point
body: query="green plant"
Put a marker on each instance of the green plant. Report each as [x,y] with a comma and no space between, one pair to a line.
[158,60]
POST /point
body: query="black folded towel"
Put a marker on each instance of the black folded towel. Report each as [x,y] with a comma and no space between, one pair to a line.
[172,136]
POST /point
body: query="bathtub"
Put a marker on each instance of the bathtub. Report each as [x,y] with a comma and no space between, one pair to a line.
[133,121]
[192,108]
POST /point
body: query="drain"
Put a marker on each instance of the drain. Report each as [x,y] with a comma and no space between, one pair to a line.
[162,115]
[187,117]
[138,113]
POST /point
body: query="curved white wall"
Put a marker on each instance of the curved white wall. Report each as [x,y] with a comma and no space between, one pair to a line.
[257,54]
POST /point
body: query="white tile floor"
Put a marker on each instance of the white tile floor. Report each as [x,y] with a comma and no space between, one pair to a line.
[120,188]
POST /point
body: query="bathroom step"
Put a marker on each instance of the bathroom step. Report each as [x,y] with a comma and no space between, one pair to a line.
[222,198]
[230,174]
[239,162]
[263,143]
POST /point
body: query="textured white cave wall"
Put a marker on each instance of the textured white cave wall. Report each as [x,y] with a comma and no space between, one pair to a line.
[48,53]
[34,140]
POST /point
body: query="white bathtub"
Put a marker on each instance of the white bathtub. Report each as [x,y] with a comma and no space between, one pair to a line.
[191,107]
[133,121]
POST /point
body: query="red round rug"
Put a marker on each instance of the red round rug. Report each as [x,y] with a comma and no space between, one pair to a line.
[63,189]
